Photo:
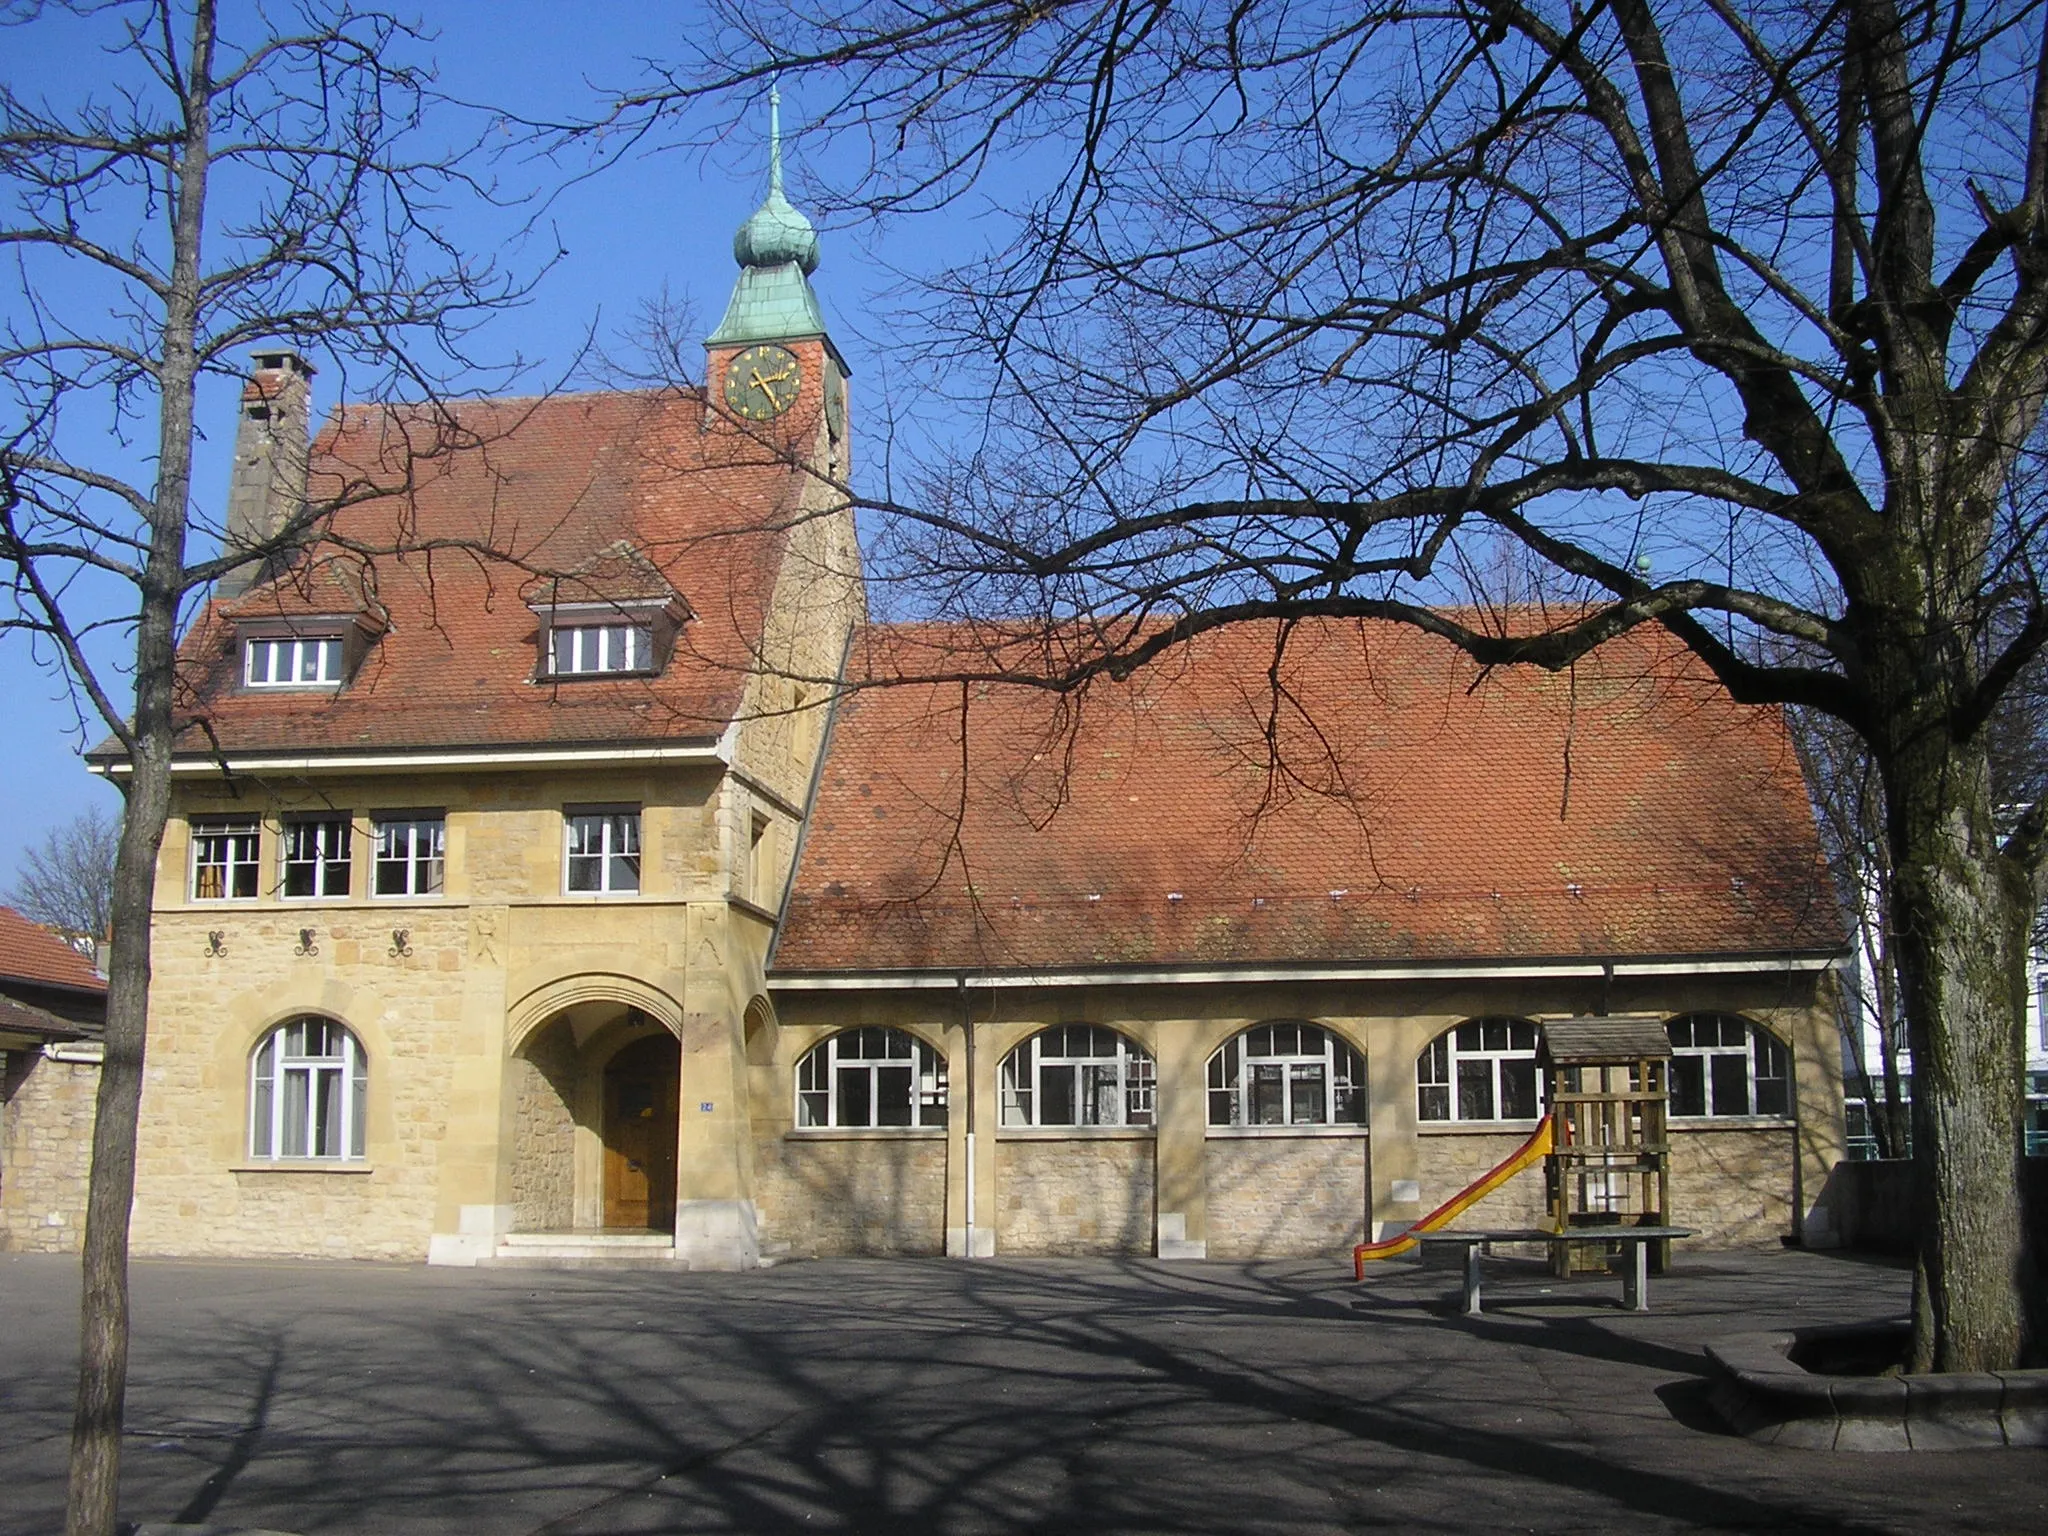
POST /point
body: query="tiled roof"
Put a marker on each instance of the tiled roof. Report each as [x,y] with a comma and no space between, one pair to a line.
[1415,809]
[30,952]
[613,490]
[19,1018]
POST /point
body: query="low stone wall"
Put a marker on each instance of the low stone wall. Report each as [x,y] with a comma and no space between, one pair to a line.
[46,1115]
[852,1194]
[1873,1203]
[544,1145]
[1733,1184]
[1075,1196]
[1276,1197]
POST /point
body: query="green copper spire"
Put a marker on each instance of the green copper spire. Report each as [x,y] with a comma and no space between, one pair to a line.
[777,249]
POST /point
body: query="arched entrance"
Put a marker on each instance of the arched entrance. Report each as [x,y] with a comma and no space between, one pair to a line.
[641,1082]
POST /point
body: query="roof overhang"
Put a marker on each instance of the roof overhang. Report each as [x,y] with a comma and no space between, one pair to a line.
[705,750]
[1573,969]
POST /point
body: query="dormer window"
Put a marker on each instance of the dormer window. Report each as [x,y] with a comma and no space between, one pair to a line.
[586,650]
[292,661]
[625,637]
[306,651]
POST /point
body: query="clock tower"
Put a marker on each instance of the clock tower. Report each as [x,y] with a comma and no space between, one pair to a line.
[771,368]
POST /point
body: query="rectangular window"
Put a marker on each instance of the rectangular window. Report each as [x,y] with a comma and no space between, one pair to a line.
[604,851]
[292,661]
[1729,1074]
[590,650]
[760,873]
[315,850]
[1773,1075]
[1518,1088]
[410,856]
[1056,1087]
[1475,1087]
[224,858]
[1306,1098]
[1688,1085]
[1269,1093]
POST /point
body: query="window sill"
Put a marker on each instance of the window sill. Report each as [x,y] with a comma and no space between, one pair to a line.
[1282,1132]
[1730,1122]
[865,1133]
[1476,1127]
[303,1165]
[1077,1133]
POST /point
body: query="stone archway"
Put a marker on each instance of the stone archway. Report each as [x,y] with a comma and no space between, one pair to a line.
[594,1087]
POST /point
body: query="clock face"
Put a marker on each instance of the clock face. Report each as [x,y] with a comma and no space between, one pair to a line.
[762,382]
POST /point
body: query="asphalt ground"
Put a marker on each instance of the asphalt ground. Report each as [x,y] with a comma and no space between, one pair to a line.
[909,1396]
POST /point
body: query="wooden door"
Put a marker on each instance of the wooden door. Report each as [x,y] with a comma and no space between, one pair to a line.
[640,1087]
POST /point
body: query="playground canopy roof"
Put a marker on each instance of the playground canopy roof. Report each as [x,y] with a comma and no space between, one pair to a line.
[1605,1042]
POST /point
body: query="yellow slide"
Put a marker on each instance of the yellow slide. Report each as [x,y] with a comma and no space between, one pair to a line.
[1526,1156]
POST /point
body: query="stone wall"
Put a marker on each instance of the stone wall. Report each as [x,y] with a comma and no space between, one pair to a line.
[1875,1202]
[1452,1159]
[544,1135]
[1734,1184]
[852,1194]
[46,1115]
[1285,1196]
[1074,1195]
[198,1192]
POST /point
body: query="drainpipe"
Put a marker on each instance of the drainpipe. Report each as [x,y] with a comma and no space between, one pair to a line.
[967,1033]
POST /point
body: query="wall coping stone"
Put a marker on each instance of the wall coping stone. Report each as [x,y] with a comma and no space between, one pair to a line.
[1764,1396]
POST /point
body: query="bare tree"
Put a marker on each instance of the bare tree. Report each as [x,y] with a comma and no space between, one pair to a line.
[1304,305]
[68,883]
[188,195]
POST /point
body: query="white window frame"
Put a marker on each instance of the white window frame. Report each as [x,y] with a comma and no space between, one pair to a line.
[827,1076]
[1503,1044]
[1250,1065]
[1107,1079]
[1752,1042]
[240,839]
[332,840]
[327,1086]
[425,870]
[612,648]
[309,661]
[616,856]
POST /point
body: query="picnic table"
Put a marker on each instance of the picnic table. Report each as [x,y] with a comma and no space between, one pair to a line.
[1635,1274]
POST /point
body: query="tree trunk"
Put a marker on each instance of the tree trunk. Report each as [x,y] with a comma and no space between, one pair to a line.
[103,1312]
[1955,931]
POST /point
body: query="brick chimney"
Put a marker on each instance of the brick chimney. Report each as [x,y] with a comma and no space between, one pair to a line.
[268,483]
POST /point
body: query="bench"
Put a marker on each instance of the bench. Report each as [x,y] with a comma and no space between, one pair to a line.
[1635,1274]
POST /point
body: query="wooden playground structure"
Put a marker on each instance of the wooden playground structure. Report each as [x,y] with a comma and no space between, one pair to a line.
[1603,1144]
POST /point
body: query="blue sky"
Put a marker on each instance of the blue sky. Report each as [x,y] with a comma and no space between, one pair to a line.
[653,222]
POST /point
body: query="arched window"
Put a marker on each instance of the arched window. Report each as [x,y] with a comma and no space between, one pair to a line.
[308,1090]
[1722,1065]
[1286,1074]
[868,1078]
[1077,1074]
[1485,1069]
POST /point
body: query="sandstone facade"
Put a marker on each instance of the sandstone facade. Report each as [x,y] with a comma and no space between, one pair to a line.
[46,1115]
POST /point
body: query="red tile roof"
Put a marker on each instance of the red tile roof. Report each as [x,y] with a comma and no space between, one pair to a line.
[1416,810]
[587,491]
[30,952]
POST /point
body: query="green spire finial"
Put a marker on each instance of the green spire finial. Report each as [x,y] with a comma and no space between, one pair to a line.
[777,233]
[777,249]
